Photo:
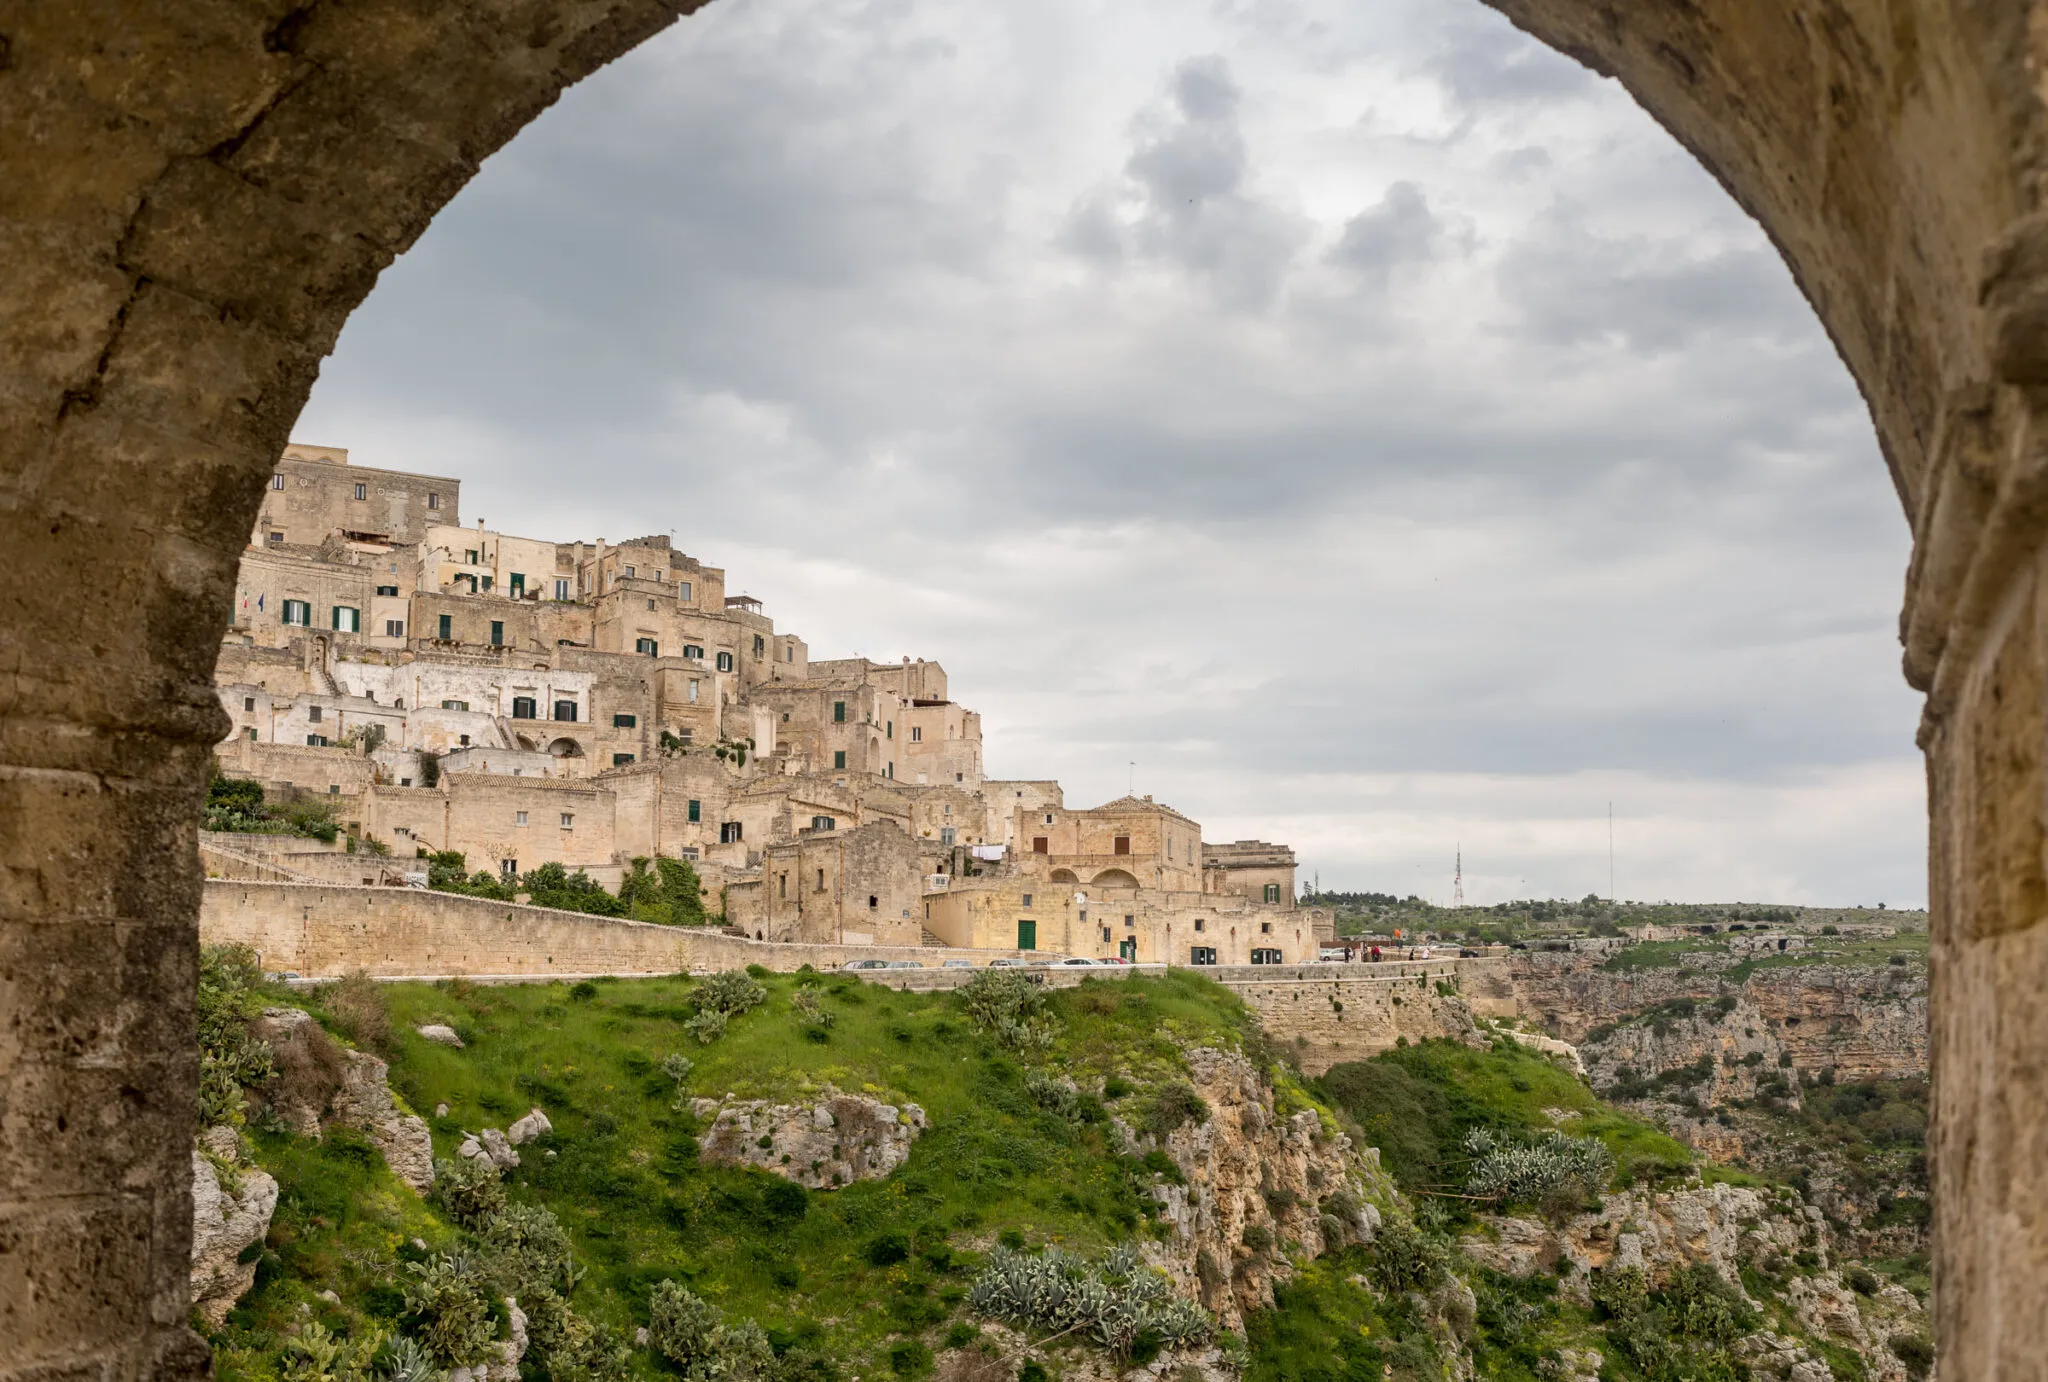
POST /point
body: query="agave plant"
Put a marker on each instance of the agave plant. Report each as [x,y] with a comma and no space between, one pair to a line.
[1112,1301]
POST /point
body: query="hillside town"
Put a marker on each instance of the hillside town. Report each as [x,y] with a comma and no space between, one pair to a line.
[524,701]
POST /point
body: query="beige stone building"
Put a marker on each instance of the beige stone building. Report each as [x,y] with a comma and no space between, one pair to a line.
[525,701]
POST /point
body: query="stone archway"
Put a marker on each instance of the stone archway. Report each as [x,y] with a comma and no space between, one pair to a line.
[195,194]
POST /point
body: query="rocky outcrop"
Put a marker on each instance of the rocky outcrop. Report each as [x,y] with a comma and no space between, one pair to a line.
[836,1141]
[1717,1224]
[532,1126]
[490,1144]
[1258,1187]
[440,1034]
[321,1084]
[231,1209]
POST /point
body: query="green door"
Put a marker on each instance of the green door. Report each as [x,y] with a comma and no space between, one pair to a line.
[1027,935]
[1129,949]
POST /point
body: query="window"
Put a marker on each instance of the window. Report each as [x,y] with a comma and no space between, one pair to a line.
[470,557]
[1105,935]
[465,738]
[1040,845]
[682,590]
[394,628]
[696,812]
[729,833]
[648,646]
[1265,928]
[629,573]
[693,691]
[455,705]
[760,645]
[917,734]
[1272,892]
[625,721]
[892,729]
[497,633]
[1122,845]
[362,491]
[387,590]
[565,710]
[1130,922]
[487,583]
[524,708]
[276,539]
[1202,955]
[838,758]
[568,820]
[334,789]
[946,835]
[313,714]
[1027,934]
[248,702]
[873,902]
[789,652]
[447,633]
[508,867]
[277,482]
[620,759]
[519,818]
[316,741]
[823,823]
[433,500]
[1048,818]
[1198,924]
[1027,899]
[725,662]
[839,712]
[693,651]
[518,583]
[298,612]
[1266,957]
[782,885]
[561,590]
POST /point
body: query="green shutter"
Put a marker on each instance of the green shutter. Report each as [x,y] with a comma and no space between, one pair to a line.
[696,811]
[839,758]
[1027,935]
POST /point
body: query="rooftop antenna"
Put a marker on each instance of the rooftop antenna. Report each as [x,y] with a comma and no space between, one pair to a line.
[1610,854]
[1458,880]
[1133,784]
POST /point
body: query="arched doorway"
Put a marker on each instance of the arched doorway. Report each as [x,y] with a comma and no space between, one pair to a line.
[183,252]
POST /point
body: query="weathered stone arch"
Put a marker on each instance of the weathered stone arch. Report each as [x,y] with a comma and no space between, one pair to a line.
[1115,878]
[194,194]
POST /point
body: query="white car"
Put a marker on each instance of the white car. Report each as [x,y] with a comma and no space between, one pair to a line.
[1077,962]
[865,964]
[1008,962]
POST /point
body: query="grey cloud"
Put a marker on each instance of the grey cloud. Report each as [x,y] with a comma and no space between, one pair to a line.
[1483,61]
[1399,230]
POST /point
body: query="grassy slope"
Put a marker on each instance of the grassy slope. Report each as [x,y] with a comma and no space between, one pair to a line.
[627,1184]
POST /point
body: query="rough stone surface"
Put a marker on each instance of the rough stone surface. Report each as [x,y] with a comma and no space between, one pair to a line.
[512,1348]
[528,1128]
[1245,1167]
[365,1102]
[838,1140]
[225,1221]
[437,1032]
[211,189]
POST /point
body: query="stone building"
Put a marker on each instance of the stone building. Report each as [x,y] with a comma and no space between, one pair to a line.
[525,701]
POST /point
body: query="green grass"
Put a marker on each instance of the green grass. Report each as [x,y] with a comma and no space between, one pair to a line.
[1416,1104]
[627,1183]
[1659,954]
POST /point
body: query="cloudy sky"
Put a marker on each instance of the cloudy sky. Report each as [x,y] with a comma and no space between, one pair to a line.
[1365,422]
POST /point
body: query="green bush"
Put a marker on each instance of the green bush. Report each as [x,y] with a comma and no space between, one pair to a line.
[471,1189]
[1406,1259]
[730,991]
[1172,1106]
[693,1335]
[909,1358]
[230,1060]
[887,1249]
[446,1300]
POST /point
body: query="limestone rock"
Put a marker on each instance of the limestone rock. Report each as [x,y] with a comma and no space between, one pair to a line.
[499,1150]
[841,1139]
[440,1110]
[1549,1046]
[437,1032]
[222,1141]
[528,1128]
[365,1102]
[224,1224]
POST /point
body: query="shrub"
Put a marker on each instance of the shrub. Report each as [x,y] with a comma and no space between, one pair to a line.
[730,991]
[356,1003]
[1113,1301]
[909,1358]
[230,1060]
[708,1026]
[1916,1351]
[1010,1008]
[810,1009]
[887,1249]
[446,1298]
[693,1335]
[1861,1280]
[470,1189]
[1552,1167]
[1258,1238]
[1406,1259]
[1173,1106]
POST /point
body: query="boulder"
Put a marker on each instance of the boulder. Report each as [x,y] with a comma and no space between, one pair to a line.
[226,1221]
[365,1102]
[841,1139]
[528,1128]
[443,1035]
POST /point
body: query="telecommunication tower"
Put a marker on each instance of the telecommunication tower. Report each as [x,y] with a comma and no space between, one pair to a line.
[1458,880]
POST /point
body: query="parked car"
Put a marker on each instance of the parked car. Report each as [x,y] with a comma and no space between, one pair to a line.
[865,964]
[958,964]
[903,964]
[1076,962]
[1008,962]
